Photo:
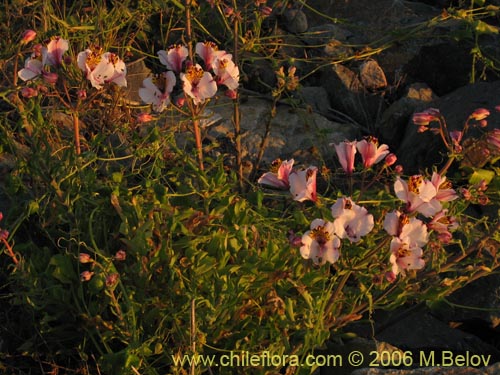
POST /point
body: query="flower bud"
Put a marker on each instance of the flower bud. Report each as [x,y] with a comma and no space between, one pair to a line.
[398,169]
[231,94]
[29,92]
[28,36]
[390,159]
[480,114]
[86,275]
[111,280]
[144,117]
[266,11]
[85,258]
[120,255]
[49,77]
[82,94]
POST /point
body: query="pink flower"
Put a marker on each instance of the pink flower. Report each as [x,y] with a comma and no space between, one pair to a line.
[480,114]
[157,90]
[111,279]
[226,71]
[28,36]
[398,169]
[444,192]
[411,230]
[174,57]
[209,52]
[86,275]
[49,77]
[303,184]
[82,94]
[144,117]
[371,152]
[120,255]
[266,11]
[426,117]
[55,50]
[33,67]
[442,224]
[320,243]
[346,152]
[419,195]
[198,84]
[405,257]
[351,221]
[278,176]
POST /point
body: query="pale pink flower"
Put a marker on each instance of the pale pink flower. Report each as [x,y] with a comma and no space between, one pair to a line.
[405,257]
[346,151]
[410,229]
[320,243]
[371,152]
[278,176]
[198,84]
[351,221]
[209,52]
[157,90]
[28,36]
[419,195]
[96,66]
[33,66]
[444,192]
[120,70]
[174,57]
[86,275]
[55,50]
[226,72]
[303,184]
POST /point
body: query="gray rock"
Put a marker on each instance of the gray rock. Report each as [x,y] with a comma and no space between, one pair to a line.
[322,34]
[316,97]
[295,20]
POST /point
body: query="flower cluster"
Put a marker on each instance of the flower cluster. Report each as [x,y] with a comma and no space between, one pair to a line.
[42,58]
[198,84]
[301,183]
[322,242]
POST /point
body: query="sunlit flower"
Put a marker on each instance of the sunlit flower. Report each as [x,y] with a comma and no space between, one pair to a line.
[426,117]
[351,221]
[371,152]
[410,229]
[346,151]
[198,84]
[480,114]
[444,192]
[278,176]
[86,275]
[28,36]
[390,159]
[174,57]
[55,50]
[157,90]
[303,184]
[443,224]
[33,66]
[96,66]
[320,243]
[209,52]
[405,257]
[120,70]
[419,195]
[226,72]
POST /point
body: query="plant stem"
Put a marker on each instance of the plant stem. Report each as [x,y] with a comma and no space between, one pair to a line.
[193,334]
[197,137]
[236,110]
[76,128]
[10,251]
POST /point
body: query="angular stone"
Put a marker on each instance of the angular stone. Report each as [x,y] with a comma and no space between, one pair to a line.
[295,21]
[372,76]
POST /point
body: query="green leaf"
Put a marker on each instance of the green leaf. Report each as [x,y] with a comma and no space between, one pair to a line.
[485,28]
[63,270]
[481,174]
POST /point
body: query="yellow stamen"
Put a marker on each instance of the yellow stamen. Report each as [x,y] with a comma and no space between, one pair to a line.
[414,183]
[194,74]
[94,57]
[320,235]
